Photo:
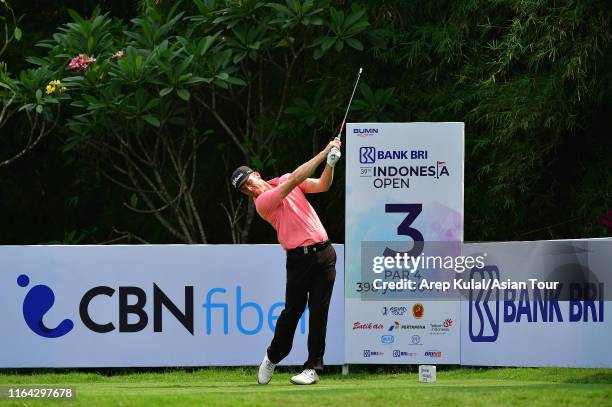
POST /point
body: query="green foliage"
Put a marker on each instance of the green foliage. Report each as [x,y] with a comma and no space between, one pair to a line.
[266,83]
[10,23]
[526,77]
[311,113]
[343,29]
[376,106]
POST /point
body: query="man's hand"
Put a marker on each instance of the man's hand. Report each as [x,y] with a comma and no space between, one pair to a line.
[334,143]
[301,173]
[333,156]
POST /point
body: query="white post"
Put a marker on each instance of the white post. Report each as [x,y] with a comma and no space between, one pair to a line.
[345,370]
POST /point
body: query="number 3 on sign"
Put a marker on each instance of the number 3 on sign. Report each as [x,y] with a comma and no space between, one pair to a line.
[404,228]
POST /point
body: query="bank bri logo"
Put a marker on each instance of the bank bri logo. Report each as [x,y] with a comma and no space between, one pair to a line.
[37,302]
[367,155]
[485,312]
[482,302]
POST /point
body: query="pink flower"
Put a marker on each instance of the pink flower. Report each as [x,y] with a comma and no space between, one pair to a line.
[118,54]
[81,62]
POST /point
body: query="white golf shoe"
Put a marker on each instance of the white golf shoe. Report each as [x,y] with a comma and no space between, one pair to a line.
[265,370]
[308,376]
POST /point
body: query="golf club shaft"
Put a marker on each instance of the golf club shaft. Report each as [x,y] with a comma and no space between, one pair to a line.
[349,104]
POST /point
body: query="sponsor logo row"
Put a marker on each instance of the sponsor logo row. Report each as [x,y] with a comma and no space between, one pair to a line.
[434,329]
[398,353]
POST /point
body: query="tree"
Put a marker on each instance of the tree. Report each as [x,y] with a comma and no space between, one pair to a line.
[264,44]
[14,93]
[530,80]
[135,97]
[204,86]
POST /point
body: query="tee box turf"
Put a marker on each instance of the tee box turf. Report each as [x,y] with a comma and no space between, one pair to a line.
[427,373]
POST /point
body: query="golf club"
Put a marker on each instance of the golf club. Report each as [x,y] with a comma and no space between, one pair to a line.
[335,151]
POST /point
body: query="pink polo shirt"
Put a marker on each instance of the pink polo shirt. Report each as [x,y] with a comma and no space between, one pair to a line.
[294,220]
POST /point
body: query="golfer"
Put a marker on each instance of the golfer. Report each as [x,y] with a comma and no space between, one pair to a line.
[311,260]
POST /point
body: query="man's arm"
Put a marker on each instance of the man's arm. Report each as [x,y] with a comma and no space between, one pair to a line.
[301,173]
[321,184]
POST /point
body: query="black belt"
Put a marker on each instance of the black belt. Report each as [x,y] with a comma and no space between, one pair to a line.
[313,248]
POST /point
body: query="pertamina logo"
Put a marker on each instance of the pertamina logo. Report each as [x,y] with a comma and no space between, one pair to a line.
[396,325]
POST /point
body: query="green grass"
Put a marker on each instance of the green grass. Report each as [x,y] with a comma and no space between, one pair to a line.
[367,387]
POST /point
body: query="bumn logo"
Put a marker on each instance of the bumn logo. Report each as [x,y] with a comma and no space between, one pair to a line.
[365,132]
[367,155]
[37,302]
[482,303]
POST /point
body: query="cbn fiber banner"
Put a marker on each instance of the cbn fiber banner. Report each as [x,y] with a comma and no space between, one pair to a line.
[149,305]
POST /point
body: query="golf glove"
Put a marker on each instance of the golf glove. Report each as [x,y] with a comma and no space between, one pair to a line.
[333,156]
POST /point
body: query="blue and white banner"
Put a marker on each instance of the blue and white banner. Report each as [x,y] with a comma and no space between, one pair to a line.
[165,305]
[552,309]
[87,306]
[404,188]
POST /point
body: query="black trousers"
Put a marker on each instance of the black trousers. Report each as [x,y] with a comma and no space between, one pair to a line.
[310,279]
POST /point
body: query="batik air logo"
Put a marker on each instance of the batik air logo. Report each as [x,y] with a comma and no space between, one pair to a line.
[488,308]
